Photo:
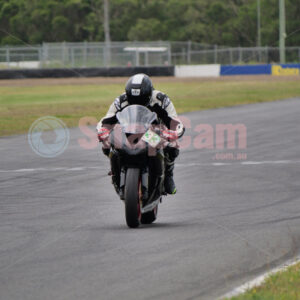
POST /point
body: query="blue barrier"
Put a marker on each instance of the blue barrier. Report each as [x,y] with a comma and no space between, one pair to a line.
[246,70]
[268,69]
[295,66]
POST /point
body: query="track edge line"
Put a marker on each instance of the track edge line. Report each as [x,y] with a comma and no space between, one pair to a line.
[259,280]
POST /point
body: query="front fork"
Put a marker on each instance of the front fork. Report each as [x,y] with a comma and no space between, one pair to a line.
[156,169]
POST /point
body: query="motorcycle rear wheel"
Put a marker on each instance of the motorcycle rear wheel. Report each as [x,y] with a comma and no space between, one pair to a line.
[132,204]
[149,217]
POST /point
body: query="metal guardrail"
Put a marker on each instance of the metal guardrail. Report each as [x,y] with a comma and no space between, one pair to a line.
[122,54]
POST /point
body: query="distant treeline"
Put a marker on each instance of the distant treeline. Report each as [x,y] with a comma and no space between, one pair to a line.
[222,22]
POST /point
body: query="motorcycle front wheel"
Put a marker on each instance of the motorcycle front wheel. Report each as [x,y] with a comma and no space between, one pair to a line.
[132,194]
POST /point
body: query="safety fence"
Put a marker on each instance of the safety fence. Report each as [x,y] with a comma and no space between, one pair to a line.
[135,54]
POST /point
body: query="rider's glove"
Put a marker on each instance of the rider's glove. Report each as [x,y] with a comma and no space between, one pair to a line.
[170,135]
[103,134]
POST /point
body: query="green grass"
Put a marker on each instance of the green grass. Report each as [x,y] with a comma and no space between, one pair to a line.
[20,106]
[281,286]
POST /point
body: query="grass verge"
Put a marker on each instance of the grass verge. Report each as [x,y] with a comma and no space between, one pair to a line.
[20,106]
[283,285]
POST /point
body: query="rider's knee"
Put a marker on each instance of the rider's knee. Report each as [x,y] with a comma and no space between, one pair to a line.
[171,152]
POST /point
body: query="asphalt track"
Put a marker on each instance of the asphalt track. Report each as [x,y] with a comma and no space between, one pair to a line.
[63,233]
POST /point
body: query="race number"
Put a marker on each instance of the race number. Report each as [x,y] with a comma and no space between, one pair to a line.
[151,138]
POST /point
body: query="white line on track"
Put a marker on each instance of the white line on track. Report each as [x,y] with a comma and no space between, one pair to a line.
[243,163]
[260,279]
[215,164]
[77,169]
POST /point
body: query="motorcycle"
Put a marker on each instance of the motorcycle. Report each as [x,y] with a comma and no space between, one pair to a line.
[137,162]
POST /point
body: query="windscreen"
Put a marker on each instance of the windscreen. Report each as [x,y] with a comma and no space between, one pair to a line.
[136,118]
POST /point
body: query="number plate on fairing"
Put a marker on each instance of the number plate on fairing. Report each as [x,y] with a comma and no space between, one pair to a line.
[151,138]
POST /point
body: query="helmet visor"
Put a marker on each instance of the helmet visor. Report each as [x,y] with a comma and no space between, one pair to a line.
[139,100]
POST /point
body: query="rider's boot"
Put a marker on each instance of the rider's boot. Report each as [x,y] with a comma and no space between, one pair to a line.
[170,187]
[115,170]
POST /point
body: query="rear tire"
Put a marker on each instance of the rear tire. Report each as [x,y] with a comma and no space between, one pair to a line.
[132,205]
[150,216]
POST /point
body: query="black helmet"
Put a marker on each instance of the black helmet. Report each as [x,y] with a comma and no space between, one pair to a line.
[139,89]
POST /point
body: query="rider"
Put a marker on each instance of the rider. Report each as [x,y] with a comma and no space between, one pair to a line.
[139,90]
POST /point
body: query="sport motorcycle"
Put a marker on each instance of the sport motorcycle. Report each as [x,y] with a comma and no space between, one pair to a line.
[136,146]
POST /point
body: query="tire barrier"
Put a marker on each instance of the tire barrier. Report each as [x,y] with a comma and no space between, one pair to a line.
[86,72]
[178,71]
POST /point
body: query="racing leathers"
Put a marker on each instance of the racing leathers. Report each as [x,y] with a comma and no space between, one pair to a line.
[166,112]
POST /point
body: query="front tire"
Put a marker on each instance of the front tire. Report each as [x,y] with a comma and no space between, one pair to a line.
[132,204]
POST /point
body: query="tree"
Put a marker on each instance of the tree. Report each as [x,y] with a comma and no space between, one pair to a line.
[147,30]
[222,22]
